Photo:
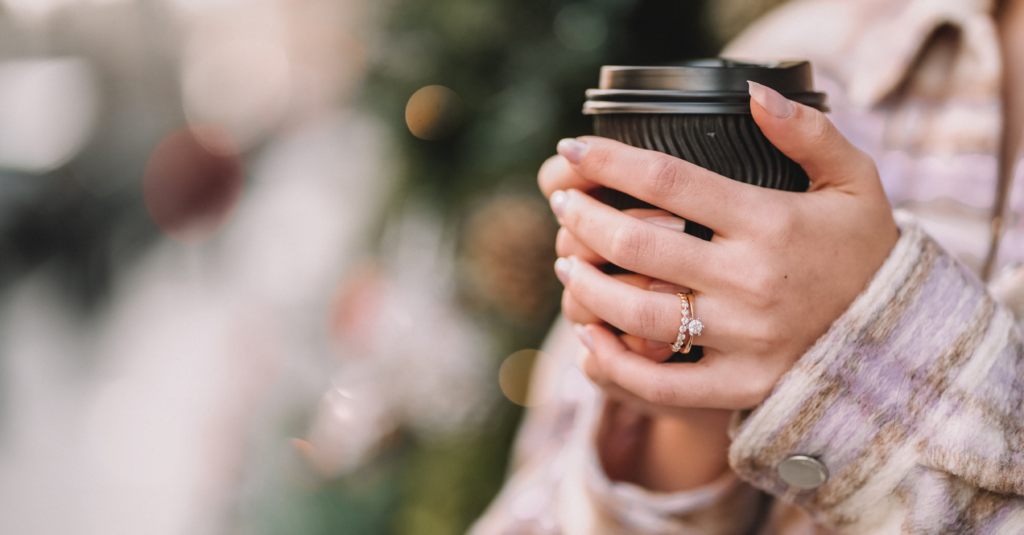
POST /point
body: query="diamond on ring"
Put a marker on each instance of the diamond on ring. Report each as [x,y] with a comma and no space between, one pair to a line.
[689,325]
[694,326]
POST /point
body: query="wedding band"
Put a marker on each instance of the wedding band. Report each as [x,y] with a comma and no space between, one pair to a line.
[689,324]
[684,309]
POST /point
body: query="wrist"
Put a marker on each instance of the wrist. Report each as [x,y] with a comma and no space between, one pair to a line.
[687,452]
[664,453]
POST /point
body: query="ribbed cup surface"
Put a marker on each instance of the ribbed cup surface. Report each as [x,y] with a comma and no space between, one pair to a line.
[730,145]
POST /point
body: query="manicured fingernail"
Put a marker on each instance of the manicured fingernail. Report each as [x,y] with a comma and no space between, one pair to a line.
[563,268]
[673,223]
[573,149]
[558,201]
[665,287]
[656,344]
[770,99]
[584,336]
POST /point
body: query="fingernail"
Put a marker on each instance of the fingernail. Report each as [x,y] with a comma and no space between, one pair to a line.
[563,268]
[673,223]
[558,201]
[656,344]
[584,336]
[665,287]
[770,99]
[573,149]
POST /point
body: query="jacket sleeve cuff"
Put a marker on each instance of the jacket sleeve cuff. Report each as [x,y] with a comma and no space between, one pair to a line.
[724,506]
[864,400]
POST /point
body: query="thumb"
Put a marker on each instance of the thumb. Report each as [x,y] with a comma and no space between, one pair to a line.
[810,139]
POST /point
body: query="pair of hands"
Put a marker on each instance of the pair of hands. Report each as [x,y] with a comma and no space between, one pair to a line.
[780,269]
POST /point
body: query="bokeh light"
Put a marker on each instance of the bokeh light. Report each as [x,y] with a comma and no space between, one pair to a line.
[197,389]
[514,377]
[508,251]
[192,182]
[433,112]
[48,109]
[346,431]
[242,84]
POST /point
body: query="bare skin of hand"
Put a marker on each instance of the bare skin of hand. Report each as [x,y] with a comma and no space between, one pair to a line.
[662,453]
[779,270]
[640,442]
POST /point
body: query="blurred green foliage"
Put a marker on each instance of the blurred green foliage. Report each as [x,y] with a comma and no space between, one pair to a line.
[521,85]
[520,68]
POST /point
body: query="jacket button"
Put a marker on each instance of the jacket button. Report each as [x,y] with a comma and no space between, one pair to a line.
[803,472]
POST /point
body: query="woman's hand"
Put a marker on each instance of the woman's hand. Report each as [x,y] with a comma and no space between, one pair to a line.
[780,269]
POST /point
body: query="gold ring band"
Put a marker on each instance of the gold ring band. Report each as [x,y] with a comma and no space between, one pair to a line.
[683,338]
[693,314]
[689,325]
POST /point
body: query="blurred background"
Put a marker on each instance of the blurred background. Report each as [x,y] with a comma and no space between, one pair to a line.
[281,266]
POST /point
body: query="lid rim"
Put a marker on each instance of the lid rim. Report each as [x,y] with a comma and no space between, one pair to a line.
[716,74]
[616,95]
[592,107]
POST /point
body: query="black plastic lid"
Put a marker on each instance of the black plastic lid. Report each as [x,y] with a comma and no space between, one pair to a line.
[713,86]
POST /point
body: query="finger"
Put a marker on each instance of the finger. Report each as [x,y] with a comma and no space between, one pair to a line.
[811,140]
[637,245]
[567,245]
[655,350]
[714,382]
[647,314]
[662,218]
[588,364]
[668,182]
[556,174]
[666,287]
[652,349]
[575,312]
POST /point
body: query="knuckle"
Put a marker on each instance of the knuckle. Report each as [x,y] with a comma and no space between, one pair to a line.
[597,160]
[630,243]
[572,220]
[821,133]
[665,178]
[763,289]
[781,226]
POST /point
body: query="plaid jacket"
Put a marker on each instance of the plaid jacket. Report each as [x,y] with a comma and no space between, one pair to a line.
[914,399]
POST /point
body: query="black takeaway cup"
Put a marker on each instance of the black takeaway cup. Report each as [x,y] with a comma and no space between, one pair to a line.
[700,111]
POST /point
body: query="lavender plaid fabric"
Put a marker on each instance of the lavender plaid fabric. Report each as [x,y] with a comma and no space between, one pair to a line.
[914,399]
